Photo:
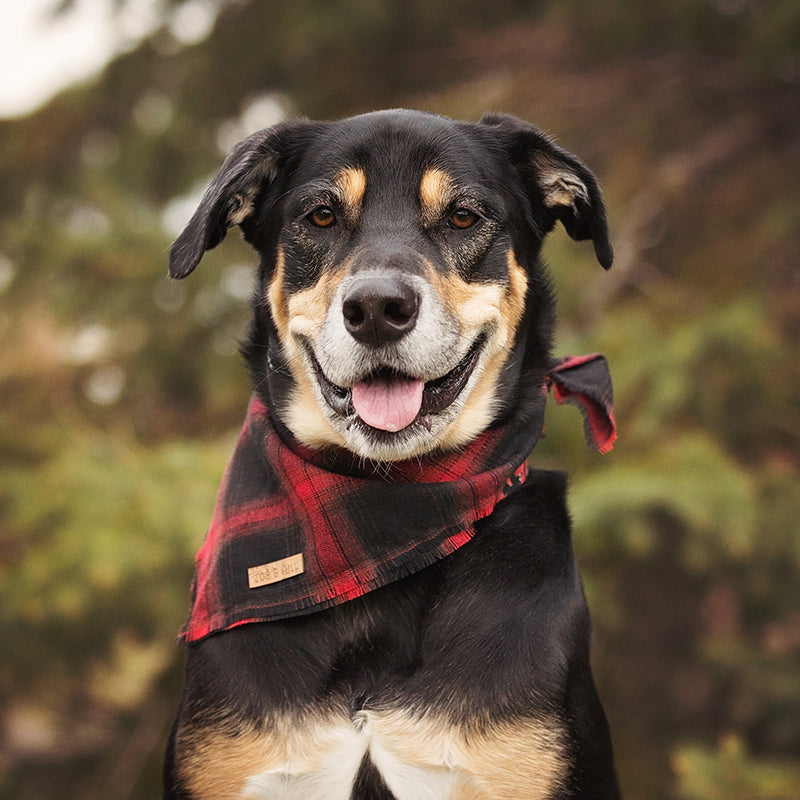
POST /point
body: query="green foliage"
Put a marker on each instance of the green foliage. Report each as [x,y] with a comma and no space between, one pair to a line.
[692,479]
[103,538]
[730,772]
[765,34]
[691,420]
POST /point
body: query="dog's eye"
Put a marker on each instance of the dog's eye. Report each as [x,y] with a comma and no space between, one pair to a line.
[322,217]
[462,218]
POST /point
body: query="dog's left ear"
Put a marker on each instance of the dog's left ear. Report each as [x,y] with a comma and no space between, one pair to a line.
[227,201]
[230,198]
[560,185]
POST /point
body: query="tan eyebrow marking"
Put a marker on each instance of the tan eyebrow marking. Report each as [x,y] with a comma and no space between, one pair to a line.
[351,185]
[435,194]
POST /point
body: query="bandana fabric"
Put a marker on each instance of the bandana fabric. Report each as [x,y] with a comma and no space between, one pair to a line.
[293,533]
[586,382]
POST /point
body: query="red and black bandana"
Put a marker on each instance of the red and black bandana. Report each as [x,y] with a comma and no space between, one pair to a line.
[291,535]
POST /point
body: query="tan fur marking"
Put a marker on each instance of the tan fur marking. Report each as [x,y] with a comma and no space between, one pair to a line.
[308,308]
[501,761]
[244,210]
[522,759]
[561,186]
[435,191]
[277,303]
[517,290]
[306,420]
[216,763]
[219,762]
[303,314]
[477,306]
[351,183]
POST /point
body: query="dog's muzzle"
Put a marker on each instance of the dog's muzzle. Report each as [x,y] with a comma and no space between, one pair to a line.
[390,401]
[381,312]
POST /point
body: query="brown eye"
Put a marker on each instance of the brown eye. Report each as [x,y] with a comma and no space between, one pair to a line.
[322,217]
[463,218]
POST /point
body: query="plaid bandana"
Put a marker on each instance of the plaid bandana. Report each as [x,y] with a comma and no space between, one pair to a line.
[297,530]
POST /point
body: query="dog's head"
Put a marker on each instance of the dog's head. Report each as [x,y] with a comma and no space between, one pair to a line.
[401,303]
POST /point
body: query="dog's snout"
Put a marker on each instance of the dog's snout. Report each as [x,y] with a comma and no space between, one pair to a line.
[378,309]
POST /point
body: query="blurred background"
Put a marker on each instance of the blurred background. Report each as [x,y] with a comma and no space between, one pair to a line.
[121,392]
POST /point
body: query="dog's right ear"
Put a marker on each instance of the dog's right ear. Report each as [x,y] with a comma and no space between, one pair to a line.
[229,199]
[562,186]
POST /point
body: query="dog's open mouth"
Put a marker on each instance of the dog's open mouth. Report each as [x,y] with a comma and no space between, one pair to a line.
[389,401]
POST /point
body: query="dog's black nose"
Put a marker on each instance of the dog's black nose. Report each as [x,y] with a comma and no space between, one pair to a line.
[380,308]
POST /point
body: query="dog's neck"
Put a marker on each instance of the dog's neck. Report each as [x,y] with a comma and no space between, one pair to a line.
[295,531]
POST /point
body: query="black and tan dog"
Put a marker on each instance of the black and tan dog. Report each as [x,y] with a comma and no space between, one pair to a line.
[387,604]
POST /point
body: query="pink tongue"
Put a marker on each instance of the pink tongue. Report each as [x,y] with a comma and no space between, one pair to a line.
[389,405]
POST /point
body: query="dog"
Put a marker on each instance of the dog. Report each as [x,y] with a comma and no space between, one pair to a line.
[387,605]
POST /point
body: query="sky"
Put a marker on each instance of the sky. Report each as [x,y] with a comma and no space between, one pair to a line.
[40,55]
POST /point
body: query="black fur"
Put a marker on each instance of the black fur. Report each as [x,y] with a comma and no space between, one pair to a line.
[497,631]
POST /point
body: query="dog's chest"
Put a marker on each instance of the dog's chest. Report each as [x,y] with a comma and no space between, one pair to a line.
[373,753]
[417,691]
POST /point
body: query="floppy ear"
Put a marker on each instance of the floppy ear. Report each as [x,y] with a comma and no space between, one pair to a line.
[560,185]
[229,199]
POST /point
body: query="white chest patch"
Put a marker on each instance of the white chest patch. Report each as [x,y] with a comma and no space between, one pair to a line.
[327,769]
[418,757]
[317,767]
